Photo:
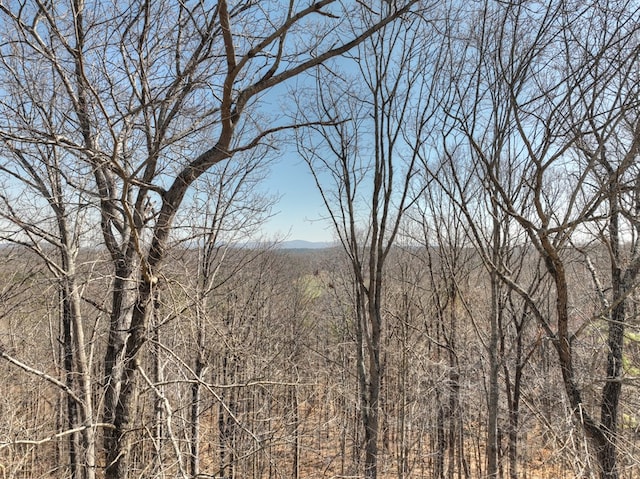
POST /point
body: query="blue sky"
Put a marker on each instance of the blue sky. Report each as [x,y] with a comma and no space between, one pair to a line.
[299,213]
[300,209]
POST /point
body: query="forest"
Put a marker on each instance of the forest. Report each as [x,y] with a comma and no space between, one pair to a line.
[476,317]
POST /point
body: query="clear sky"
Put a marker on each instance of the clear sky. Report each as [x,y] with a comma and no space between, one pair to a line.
[299,212]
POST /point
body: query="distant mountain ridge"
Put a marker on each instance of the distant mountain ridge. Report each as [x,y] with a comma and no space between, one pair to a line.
[302,244]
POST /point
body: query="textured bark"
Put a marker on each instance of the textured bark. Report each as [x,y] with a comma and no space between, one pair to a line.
[194,461]
[492,402]
[72,408]
[372,417]
[494,346]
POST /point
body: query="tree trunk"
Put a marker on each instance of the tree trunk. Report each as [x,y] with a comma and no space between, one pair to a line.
[123,300]
[513,402]
[441,444]
[492,402]
[295,466]
[72,413]
[83,371]
[602,441]
[194,462]
[371,429]
[158,407]
[117,455]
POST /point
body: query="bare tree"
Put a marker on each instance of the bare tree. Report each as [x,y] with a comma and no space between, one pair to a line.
[53,227]
[450,265]
[604,118]
[522,113]
[226,214]
[363,158]
[149,96]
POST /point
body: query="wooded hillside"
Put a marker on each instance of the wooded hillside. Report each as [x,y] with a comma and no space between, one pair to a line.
[478,168]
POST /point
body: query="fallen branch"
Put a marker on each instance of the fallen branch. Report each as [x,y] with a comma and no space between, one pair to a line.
[38,442]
